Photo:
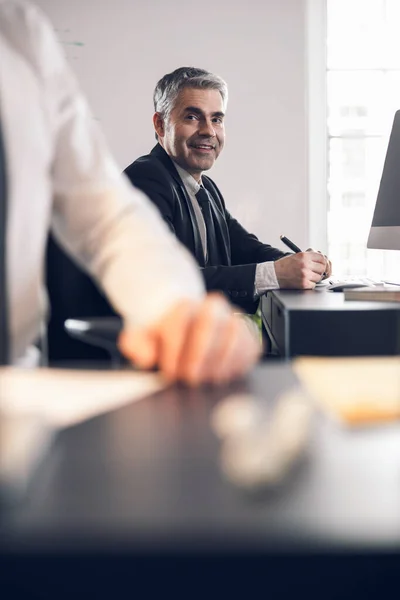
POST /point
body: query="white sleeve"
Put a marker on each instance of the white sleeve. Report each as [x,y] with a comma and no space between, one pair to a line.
[111,228]
[265,278]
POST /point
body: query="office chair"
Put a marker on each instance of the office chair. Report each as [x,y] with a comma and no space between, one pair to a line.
[72,295]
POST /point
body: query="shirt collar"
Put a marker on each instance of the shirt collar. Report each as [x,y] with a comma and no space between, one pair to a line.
[188,180]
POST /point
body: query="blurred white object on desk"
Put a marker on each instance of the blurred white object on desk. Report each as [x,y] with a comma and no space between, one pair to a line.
[259,448]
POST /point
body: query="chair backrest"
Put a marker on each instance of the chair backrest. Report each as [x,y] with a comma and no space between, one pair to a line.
[72,294]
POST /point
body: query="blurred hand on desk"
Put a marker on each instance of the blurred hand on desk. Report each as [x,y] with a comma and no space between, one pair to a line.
[195,342]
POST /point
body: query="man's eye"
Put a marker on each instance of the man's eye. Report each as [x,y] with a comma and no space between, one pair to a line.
[217,120]
[191,117]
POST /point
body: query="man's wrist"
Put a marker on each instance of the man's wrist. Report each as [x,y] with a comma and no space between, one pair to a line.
[265,278]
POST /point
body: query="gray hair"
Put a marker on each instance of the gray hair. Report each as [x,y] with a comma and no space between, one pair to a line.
[169,86]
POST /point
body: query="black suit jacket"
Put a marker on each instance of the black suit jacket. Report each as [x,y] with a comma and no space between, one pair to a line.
[156,176]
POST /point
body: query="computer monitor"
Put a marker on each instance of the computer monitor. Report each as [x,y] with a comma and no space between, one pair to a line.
[385,228]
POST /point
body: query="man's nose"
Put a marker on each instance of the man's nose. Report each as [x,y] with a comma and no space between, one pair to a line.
[207,128]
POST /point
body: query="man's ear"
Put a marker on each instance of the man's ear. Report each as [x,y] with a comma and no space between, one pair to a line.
[158,123]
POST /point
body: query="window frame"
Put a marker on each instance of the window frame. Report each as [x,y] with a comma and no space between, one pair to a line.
[316,105]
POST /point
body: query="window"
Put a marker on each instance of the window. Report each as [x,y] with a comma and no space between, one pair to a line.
[363,93]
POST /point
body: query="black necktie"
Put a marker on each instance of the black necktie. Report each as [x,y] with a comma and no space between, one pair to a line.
[4,346]
[203,199]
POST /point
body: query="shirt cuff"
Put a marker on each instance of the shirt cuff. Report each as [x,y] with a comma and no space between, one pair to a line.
[265,278]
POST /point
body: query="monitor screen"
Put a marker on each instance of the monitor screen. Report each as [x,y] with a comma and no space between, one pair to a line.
[385,229]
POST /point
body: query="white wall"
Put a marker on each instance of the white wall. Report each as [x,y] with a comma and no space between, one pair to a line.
[258,46]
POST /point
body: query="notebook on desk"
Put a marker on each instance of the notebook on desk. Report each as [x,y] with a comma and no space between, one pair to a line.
[374,294]
[354,391]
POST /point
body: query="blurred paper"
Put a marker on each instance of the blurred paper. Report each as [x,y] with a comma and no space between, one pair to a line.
[354,390]
[63,397]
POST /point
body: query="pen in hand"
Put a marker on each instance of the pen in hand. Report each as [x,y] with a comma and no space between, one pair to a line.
[290,244]
[294,248]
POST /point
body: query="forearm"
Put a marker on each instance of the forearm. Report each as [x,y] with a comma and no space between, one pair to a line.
[111,229]
[123,243]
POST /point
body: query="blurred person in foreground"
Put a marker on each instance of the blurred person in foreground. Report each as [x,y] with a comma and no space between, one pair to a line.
[57,172]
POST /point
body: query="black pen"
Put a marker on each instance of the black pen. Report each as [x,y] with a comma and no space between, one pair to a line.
[293,247]
[290,244]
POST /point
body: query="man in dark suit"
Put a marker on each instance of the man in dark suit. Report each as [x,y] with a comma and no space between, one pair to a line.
[189,115]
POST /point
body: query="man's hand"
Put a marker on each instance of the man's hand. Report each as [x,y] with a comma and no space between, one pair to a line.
[301,271]
[328,269]
[195,342]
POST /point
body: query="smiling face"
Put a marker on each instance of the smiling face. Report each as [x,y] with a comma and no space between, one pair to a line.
[194,134]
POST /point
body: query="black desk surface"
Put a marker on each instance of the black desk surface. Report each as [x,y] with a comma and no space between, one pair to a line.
[134,501]
[323,299]
[147,475]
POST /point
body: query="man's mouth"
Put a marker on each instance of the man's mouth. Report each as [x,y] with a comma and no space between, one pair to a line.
[203,147]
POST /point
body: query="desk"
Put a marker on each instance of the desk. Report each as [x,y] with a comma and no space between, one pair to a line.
[145,480]
[322,323]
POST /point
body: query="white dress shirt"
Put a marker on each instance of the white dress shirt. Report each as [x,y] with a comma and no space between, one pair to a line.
[60,173]
[265,278]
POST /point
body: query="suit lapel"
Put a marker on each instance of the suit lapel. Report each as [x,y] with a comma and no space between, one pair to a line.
[221,227]
[163,157]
